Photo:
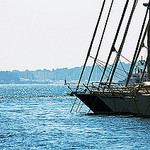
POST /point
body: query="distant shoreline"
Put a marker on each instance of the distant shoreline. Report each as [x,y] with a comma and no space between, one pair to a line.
[47,77]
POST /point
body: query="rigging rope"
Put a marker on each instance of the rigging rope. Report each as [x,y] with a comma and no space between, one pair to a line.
[91,44]
[115,39]
[125,58]
[148,45]
[137,48]
[101,64]
[114,75]
[109,69]
[143,71]
[123,40]
[108,15]
[123,67]
[99,61]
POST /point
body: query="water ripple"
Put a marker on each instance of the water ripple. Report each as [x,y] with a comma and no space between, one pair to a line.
[38,117]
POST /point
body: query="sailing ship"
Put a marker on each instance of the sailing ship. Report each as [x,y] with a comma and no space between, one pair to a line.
[133,95]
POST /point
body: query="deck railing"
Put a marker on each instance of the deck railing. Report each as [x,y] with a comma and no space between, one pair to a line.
[106,88]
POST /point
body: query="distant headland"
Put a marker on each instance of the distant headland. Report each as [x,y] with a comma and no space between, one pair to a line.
[48,76]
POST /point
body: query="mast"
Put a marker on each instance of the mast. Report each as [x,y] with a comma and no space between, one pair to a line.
[139,46]
[115,39]
[92,41]
[148,44]
[123,41]
[148,41]
[103,33]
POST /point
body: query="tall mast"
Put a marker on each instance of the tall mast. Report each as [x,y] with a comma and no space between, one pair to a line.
[115,39]
[92,41]
[148,44]
[140,42]
[123,41]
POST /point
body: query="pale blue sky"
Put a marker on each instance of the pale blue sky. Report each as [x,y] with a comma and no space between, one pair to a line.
[50,34]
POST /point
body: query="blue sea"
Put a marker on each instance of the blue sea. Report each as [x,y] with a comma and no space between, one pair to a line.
[38,117]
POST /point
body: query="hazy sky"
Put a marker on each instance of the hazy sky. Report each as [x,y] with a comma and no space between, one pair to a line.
[48,34]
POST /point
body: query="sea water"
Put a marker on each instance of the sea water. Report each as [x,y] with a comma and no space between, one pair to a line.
[38,117]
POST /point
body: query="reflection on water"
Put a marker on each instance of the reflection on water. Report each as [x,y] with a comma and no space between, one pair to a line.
[38,117]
